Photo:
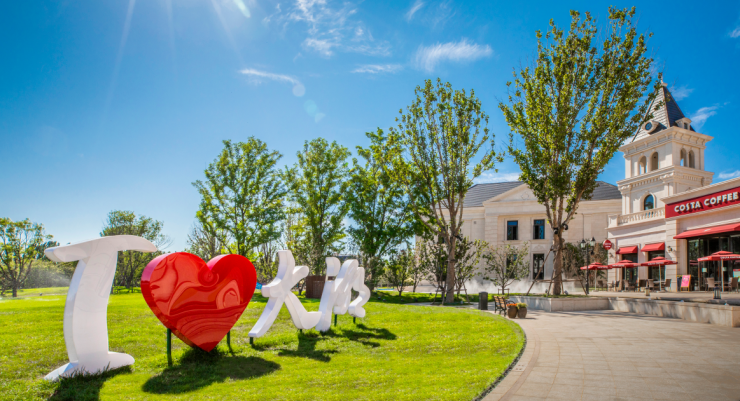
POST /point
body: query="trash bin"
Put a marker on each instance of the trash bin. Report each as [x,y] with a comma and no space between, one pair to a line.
[483,301]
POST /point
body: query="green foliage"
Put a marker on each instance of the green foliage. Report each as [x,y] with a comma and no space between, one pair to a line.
[404,346]
[47,274]
[317,187]
[398,269]
[132,263]
[468,255]
[573,109]
[521,305]
[434,153]
[242,197]
[23,242]
[205,242]
[379,208]
[506,264]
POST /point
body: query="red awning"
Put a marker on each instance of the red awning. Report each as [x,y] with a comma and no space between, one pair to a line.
[707,231]
[627,249]
[653,247]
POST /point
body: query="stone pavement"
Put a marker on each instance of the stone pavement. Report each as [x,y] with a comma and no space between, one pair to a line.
[609,355]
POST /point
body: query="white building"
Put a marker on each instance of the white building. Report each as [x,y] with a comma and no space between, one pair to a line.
[508,212]
[669,207]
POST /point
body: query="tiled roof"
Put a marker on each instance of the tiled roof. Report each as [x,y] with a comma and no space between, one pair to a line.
[667,114]
[479,193]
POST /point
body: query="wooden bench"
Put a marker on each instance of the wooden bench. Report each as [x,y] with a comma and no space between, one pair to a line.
[499,304]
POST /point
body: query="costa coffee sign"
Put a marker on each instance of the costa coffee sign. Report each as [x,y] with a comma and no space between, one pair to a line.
[702,203]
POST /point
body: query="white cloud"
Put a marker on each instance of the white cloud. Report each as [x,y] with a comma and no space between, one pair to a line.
[490,176]
[701,116]
[330,29]
[427,57]
[257,77]
[681,92]
[414,8]
[726,175]
[735,33]
[378,69]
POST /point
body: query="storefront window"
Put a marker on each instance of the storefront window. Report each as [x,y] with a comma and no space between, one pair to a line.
[656,273]
[629,274]
[696,251]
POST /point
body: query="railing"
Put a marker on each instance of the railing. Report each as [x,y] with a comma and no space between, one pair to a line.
[622,219]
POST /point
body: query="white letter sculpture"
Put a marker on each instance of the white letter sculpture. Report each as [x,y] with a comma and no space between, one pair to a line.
[86,309]
[279,292]
[336,295]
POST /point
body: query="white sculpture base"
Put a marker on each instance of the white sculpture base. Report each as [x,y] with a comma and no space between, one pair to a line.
[115,360]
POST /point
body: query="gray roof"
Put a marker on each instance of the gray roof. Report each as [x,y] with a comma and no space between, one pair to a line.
[479,193]
[666,115]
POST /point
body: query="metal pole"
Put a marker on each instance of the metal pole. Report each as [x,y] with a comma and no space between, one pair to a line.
[228,340]
[169,347]
[588,272]
[335,320]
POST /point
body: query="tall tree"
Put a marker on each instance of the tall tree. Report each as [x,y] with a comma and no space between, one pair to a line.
[573,108]
[243,196]
[378,206]
[399,269]
[318,184]
[434,153]
[132,263]
[468,255]
[23,242]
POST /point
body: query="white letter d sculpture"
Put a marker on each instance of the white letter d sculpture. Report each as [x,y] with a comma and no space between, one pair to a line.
[86,309]
[336,295]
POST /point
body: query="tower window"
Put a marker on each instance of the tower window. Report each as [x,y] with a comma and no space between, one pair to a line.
[683,157]
[654,161]
[691,159]
[642,166]
[648,203]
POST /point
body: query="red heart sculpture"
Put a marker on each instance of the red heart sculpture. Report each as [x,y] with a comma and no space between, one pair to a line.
[199,302]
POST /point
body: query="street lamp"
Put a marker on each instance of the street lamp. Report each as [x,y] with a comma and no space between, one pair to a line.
[584,247]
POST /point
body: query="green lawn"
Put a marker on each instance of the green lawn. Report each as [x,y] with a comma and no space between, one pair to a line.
[398,352]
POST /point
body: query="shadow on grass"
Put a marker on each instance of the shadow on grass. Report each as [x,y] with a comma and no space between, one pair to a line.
[198,369]
[85,386]
[307,341]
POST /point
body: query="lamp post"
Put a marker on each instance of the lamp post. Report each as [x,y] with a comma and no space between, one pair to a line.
[585,247]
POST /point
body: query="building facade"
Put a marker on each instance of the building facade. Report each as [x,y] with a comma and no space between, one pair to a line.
[509,213]
[670,207]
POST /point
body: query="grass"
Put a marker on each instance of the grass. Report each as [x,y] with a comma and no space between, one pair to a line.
[398,352]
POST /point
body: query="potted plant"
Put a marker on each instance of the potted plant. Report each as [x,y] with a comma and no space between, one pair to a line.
[511,310]
[521,310]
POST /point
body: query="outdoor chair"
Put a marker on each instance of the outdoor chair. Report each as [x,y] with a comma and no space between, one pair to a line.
[650,284]
[629,286]
[710,284]
[600,284]
[612,286]
[732,285]
[667,285]
[641,284]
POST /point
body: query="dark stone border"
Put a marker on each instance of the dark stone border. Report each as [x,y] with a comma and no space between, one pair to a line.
[506,372]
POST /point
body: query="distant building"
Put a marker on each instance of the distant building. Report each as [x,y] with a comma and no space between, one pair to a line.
[670,208]
[509,213]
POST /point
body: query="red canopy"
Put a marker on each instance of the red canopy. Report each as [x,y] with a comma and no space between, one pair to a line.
[627,249]
[595,266]
[721,255]
[624,264]
[659,261]
[653,247]
[707,231]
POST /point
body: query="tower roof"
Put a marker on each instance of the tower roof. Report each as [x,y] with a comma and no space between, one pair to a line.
[665,113]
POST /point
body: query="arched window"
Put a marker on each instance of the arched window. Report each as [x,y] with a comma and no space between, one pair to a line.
[642,166]
[683,158]
[648,203]
[691,159]
[654,161]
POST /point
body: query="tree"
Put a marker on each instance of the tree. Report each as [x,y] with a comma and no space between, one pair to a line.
[468,256]
[433,153]
[398,269]
[22,244]
[318,183]
[421,262]
[266,263]
[205,242]
[243,195]
[574,258]
[132,263]
[505,264]
[379,208]
[573,109]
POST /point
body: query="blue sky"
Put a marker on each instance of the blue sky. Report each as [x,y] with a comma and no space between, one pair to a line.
[121,105]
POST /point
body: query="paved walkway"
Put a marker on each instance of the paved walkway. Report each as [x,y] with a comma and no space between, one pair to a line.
[609,355]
